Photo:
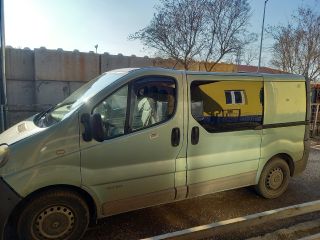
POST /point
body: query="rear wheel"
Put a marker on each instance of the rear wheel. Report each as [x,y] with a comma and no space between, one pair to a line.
[274,178]
[56,215]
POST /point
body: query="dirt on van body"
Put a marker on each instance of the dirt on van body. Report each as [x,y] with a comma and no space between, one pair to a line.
[215,207]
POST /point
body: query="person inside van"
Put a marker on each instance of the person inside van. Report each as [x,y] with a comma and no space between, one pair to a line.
[147,106]
[162,105]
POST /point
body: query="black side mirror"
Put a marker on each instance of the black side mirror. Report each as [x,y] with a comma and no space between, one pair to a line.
[86,121]
[97,128]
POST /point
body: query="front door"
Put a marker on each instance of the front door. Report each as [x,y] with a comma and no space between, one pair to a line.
[134,166]
[224,132]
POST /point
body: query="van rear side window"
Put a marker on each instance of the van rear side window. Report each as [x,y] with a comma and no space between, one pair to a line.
[221,106]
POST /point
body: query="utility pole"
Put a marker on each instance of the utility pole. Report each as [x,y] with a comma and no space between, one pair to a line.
[262,30]
[3,85]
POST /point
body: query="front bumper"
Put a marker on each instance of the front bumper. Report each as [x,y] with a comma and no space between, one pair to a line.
[8,200]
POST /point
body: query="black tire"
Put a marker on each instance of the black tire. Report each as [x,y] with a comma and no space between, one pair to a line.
[274,178]
[58,215]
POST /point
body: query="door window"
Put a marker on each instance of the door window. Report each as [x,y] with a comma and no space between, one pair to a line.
[153,101]
[220,106]
[113,113]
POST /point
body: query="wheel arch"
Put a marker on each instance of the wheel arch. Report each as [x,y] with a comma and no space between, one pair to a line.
[285,156]
[288,160]
[61,187]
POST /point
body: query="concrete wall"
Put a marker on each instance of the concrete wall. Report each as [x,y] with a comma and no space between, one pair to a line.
[20,64]
[41,77]
[109,62]
[59,65]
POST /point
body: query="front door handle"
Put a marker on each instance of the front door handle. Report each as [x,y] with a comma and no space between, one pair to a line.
[195,135]
[175,137]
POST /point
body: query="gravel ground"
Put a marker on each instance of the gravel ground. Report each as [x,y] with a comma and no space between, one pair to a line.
[211,208]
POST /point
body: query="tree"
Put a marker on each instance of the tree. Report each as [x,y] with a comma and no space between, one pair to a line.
[250,55]
[197,30]
[226,30]
[297,44]
[247,56]
[175,30]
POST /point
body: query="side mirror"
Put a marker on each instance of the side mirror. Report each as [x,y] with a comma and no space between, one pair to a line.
[86,121]
[97,128]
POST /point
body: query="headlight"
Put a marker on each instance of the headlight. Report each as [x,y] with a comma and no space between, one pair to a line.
[4,154]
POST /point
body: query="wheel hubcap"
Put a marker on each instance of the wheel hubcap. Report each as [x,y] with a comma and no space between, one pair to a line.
[275,178]
[55,222]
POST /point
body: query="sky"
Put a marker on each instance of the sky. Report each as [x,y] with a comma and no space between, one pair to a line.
[81,24]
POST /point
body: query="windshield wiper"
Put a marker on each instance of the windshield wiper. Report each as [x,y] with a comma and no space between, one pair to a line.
[41,120]
[43,113]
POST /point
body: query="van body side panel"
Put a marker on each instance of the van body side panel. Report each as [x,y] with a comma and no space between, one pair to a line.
[288,140]
[220,159]
[180,176]
[300,165]
[127,174]
[228,156]
[285,102]
[124,172]
[64,171]
[50,157]
[284,121]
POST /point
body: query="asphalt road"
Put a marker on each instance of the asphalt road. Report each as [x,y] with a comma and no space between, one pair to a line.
[211,208]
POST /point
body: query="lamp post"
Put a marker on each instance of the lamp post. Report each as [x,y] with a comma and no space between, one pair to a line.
[3,88]
[262,30]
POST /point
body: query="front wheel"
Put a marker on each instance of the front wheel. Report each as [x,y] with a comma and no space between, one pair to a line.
[274,178]
[56,215]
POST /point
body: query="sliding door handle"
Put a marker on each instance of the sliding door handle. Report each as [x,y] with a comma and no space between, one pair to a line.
[195,135]
[175,137]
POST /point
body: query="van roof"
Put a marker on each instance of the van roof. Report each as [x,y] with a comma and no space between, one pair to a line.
[266,76]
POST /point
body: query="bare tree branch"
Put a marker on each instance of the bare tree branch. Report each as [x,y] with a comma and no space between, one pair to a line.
[204,30]
[226,33]
[297,45]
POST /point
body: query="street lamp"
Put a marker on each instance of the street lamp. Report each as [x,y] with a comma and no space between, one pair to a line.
[262,30]
[3,84]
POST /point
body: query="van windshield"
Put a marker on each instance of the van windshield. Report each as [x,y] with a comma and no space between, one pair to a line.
[76,99]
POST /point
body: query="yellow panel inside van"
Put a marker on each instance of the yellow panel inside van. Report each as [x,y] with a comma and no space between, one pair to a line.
[216,92]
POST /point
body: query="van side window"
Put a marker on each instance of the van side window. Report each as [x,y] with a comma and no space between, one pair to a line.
[153,101]
[113,112]
[221,106]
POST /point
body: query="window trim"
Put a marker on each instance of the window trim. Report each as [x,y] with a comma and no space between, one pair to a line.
[128,120]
